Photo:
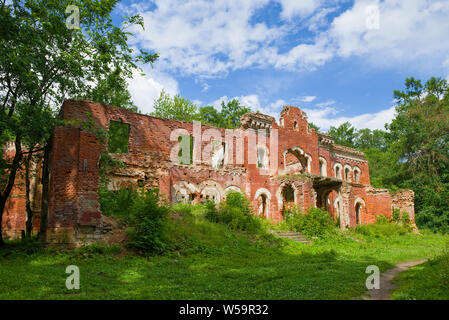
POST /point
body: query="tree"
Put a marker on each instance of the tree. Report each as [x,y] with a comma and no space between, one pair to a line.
[420,137]
[181,109]
[344,135]
[43,62]
[231,113]
[175,108]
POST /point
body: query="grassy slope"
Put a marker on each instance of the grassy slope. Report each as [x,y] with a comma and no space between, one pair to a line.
[429,281]
[212,263]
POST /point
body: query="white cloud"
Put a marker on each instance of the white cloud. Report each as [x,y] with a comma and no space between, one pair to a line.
[308,99]
[211,38]
[409,31]
[292,8]
[329,116]
[145,89]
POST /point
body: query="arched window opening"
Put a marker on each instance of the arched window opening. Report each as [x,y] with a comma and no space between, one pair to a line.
[356,175]
[347,174]
[358,216]
[295,126]
[338,173]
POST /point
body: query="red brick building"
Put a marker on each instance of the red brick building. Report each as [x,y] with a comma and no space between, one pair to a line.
[277,165]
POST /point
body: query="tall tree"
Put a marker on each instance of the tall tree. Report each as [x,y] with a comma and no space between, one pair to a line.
[175,108]
[44,60]
[344,135]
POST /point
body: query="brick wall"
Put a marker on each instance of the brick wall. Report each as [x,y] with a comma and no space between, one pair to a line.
[74,213]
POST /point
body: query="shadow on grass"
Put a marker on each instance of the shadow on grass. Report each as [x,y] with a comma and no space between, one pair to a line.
[247,271]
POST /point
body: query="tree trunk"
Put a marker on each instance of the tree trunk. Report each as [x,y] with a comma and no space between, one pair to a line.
[29,223]
[45,191]
[4,195]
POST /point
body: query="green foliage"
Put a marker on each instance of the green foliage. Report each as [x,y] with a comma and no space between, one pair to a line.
[148,219]
[185,153]
[181,109]
[175,108]
[143,212]
[382,228]
[381,219]
[236,213]
[414,151]
[210,261]
[211,212]
[316,223]
[428,281]
[344,135]
[396,215]
[43,63]
[118,137]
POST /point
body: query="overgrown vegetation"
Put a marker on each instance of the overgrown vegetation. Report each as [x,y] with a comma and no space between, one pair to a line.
[383,228]
[236,213]
[413,151]
[317,223]
[182,109]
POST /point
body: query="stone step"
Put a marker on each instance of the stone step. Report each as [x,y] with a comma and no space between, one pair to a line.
[291,235]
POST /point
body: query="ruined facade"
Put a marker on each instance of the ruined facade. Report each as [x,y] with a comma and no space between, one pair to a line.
[276,165]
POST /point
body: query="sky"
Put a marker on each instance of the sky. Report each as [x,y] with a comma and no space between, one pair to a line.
[336,60]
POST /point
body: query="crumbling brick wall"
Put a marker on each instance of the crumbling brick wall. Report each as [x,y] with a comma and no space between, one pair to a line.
[74,212]
[404,200]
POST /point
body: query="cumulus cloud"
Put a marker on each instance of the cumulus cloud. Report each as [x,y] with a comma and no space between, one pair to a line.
[146,88]
[408,31]
[211,38]
[308,99]
[293,8]
[330,116]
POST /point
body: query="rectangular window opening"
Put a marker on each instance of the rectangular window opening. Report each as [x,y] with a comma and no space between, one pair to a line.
[118,137]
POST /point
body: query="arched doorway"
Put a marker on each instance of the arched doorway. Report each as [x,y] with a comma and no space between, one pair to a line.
[263,199]
[359,208]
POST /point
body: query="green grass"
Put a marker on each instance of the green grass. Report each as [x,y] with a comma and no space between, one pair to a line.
[428,281]
[208,261]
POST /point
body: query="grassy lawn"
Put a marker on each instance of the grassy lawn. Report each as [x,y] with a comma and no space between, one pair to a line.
[429,281]
[212,262]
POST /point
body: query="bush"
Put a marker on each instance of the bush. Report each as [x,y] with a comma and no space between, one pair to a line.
[396,215]
[143,213]
[316,223]
[382,219]
[382,228]
[405,217]
[117,203]
[149,223]
[236,212]
[211,211]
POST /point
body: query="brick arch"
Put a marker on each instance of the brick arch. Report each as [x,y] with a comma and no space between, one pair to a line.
[356,174]
[340,167]
[347,169]
[296,160]
[359,210]
[263,194]
[183,191]
[211,188]
[323,163]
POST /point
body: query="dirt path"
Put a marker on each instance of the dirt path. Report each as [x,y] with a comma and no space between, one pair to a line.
[386,286]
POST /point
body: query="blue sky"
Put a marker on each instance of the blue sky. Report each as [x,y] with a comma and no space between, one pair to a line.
[337,60]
